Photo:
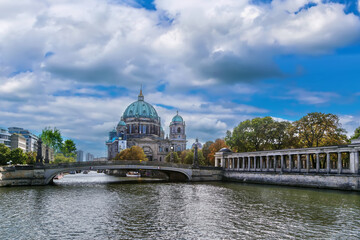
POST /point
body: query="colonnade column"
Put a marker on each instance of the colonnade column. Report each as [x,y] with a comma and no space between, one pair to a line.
[243,163]
[356,162]
[307,162]
[290,162]
[299,162]
[317,162]
[267,163]
[274,163]
[249,161]
[238,163]
[282,163]
[261,162]
[339,163]
[328,162]
[233,162]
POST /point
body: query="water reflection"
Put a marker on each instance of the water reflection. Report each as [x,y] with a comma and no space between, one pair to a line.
[96,206]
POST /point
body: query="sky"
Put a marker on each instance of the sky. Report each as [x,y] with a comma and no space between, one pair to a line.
[76,65]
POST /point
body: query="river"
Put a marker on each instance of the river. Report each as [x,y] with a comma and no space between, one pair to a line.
[96,206]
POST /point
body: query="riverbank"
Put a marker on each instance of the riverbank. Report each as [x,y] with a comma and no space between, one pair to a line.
[349,182]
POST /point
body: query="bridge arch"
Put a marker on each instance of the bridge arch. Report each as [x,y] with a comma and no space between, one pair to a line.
[173,172]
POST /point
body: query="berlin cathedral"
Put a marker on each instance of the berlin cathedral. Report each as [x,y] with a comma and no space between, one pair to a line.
[140,125]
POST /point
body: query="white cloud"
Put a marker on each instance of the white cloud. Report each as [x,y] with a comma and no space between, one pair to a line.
[312,97]
[102,42]
[350,123]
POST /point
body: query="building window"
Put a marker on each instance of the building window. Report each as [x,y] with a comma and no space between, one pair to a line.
[179,130]
[144,129]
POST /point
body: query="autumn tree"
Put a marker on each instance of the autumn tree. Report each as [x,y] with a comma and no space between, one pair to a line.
[319,129]
[206,151]
[215,147]
[133,153]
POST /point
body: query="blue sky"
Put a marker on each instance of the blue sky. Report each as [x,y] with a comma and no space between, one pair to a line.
[76,65]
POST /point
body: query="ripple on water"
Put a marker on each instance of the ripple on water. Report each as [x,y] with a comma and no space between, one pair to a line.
[95,207]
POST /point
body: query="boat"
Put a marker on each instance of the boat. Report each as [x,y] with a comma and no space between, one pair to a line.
[133,174]
[59,176]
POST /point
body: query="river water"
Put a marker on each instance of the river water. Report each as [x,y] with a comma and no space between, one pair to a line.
[96,206]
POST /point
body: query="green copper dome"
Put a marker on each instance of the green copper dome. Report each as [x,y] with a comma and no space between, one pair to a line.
[140,108]
[177,118]
[121,123]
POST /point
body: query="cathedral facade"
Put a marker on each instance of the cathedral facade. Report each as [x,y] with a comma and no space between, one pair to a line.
[140,125]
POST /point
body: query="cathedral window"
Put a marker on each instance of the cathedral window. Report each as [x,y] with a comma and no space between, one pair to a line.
[179,130]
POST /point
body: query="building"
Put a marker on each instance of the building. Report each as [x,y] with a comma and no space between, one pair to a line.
[5,137]
[79,156]
[31,139]
[89,157]
[18,141]
[140,125]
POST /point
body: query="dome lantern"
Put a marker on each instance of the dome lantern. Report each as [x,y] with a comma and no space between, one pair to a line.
[177,118]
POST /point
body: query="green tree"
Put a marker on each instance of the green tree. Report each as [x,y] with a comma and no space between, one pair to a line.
[30,157]
[176,158]
[69,148]
[254,135]
[319,129]
[52,138]
[133,153]
[61,158]
[17,156]
[4,154]
[356,134]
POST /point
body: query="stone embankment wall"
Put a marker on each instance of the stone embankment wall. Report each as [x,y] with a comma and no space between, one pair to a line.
[21,176]
[335,181]
[207,174]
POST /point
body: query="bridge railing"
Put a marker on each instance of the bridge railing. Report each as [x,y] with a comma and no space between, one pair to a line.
[122,162]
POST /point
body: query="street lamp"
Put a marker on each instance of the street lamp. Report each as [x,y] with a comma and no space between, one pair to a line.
[172,153]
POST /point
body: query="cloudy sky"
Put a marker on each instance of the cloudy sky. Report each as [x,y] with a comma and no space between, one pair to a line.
[76,65]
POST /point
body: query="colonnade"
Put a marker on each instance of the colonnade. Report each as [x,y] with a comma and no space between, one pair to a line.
[334,159]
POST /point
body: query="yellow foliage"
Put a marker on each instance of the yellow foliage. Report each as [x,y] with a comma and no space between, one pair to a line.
[133,153]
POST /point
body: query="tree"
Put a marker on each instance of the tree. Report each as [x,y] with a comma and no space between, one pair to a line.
[206,151]
[4,154]
[61,158]
[52,138]
[319,129]
[133,153]
[17,156]
[30,157]
[69,148]
[356,134]
[175,159]
[259,134]
[215,147]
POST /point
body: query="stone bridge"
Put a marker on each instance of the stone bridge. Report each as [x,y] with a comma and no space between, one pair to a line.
[42,174]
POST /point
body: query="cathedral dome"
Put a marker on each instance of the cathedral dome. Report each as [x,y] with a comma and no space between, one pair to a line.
[140,108]
[177,118]
[121,123]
